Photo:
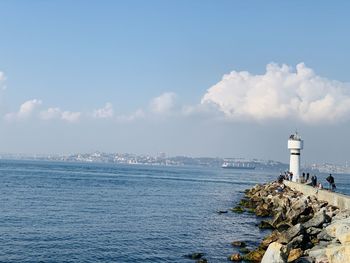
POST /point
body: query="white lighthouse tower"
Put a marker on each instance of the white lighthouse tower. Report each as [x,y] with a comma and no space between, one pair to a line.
[295,144]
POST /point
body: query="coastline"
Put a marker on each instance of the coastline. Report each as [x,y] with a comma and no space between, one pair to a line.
[304,229]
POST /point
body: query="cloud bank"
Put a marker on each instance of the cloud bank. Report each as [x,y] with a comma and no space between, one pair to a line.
[281,92]
[57,113]
[105,112]
[25,110]
[163,103]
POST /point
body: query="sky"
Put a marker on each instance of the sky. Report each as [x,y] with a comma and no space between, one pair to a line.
[196,78]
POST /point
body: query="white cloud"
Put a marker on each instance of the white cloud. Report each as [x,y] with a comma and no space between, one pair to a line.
[70,116]
[28,107]
[25,110]
[57,113]
[131,117]
[280,93]
[50,113]
[105,112]
[164,103]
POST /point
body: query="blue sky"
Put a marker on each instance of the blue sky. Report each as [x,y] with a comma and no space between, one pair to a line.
[76,56]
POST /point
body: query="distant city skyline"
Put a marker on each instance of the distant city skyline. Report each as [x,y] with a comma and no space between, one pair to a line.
[195,78]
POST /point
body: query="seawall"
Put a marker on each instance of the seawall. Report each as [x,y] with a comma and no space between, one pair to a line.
[340,200]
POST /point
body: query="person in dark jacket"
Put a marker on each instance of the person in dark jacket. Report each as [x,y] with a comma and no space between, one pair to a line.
[330,180]
[314,180]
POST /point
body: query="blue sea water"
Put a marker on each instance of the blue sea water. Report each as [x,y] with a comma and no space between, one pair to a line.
[70,212]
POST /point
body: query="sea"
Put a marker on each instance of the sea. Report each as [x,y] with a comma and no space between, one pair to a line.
[84,212]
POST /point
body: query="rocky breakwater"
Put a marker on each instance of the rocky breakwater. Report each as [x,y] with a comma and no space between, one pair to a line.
[304,229]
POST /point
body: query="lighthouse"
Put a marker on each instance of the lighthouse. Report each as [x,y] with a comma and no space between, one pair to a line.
[295,144]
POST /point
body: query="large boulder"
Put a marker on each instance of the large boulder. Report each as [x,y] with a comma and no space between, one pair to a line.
[294,254]
[262,210]
[292,232]
[319,254]
[255,255]
[299,207]
[235,257]
[338,254]
[341,215]
[332,253]
[340,230]
[313,231]
[318,219]
[283,226]
[300,241]
[195,255]
[266,224]
[323,236]
[278,218]
[274,254]
[269,239]
[281,201]
[238,244]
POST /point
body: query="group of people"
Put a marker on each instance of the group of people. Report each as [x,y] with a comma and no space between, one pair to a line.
[285,176]
[307,180]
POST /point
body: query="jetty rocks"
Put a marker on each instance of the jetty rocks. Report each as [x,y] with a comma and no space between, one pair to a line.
[304,229]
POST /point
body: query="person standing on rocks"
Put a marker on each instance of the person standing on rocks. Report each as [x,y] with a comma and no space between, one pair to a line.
[330,180]
[315,178]
[307,177]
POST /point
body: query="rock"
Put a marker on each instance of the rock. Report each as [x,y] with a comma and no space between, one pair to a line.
[299,207]
[333,253]
[315,241]
[235,257]
[341,230]
[255,255]
[317,252]
[313,231]
[278,218]
[246,203]
[281,202]
[283,226]
[238,244]
[324,236]
[244,250]
[237,209]
[294,254]
[269,239]
[262,211]
[274,254]
[336,254]
[221,211]
[196,255]
[251,210]
[292,232]
[341,215]
[304,218]
[318,219]
[264,224]
[297,242]
[202,260]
